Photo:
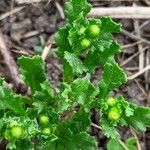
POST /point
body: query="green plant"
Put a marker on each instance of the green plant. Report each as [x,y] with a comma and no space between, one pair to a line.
[83,45]
[129,144]
[39,48]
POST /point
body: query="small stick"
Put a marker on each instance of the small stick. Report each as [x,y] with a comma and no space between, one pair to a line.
[123,145]
[139,73]
[60,10]
[137,140]
[31,34]
[96,126]
[29,1]
[9,61]
[15,10]
[122,12]
[47,48]
[134,55]
[132,36]
[140,48]
[131,45]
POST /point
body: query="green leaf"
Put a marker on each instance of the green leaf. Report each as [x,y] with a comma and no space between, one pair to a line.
[80,122]
[46,94]
[74,8]
[112,77]
[81,91]
[80,141]
[68,74]
[131,143]
[39,106]
[108,129]
[38,49]
[108,25]
[83,141]
[75,34]
[75,63]
[61,39]
[33,71]
[26,144]
[140,118]
[99,56]
[113,144]
[11,101]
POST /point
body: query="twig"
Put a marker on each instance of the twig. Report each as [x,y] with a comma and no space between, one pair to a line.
[141,88]
[15,10]
[122,12]
[134,55]
[60,10]
[29,1]
[147,74]
[140,48]
[123,145]
[47,48]
[131,68]
[31,34]
[9,61]
[132,36]
[131,45]
[139,73]
[137,140]
[96,126]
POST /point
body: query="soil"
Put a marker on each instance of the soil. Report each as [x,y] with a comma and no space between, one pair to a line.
[22,32]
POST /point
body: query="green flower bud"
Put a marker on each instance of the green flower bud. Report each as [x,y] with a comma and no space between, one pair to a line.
[46,131]
[94,30]
[114,113]
[44,120]
[17,132]
[111,101]
[85,43]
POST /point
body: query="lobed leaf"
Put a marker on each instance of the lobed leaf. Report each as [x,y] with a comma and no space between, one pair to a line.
[75,63]
[10,100]
[112,77]
[140,118]
[108,25]
[74,8]
[33,71]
